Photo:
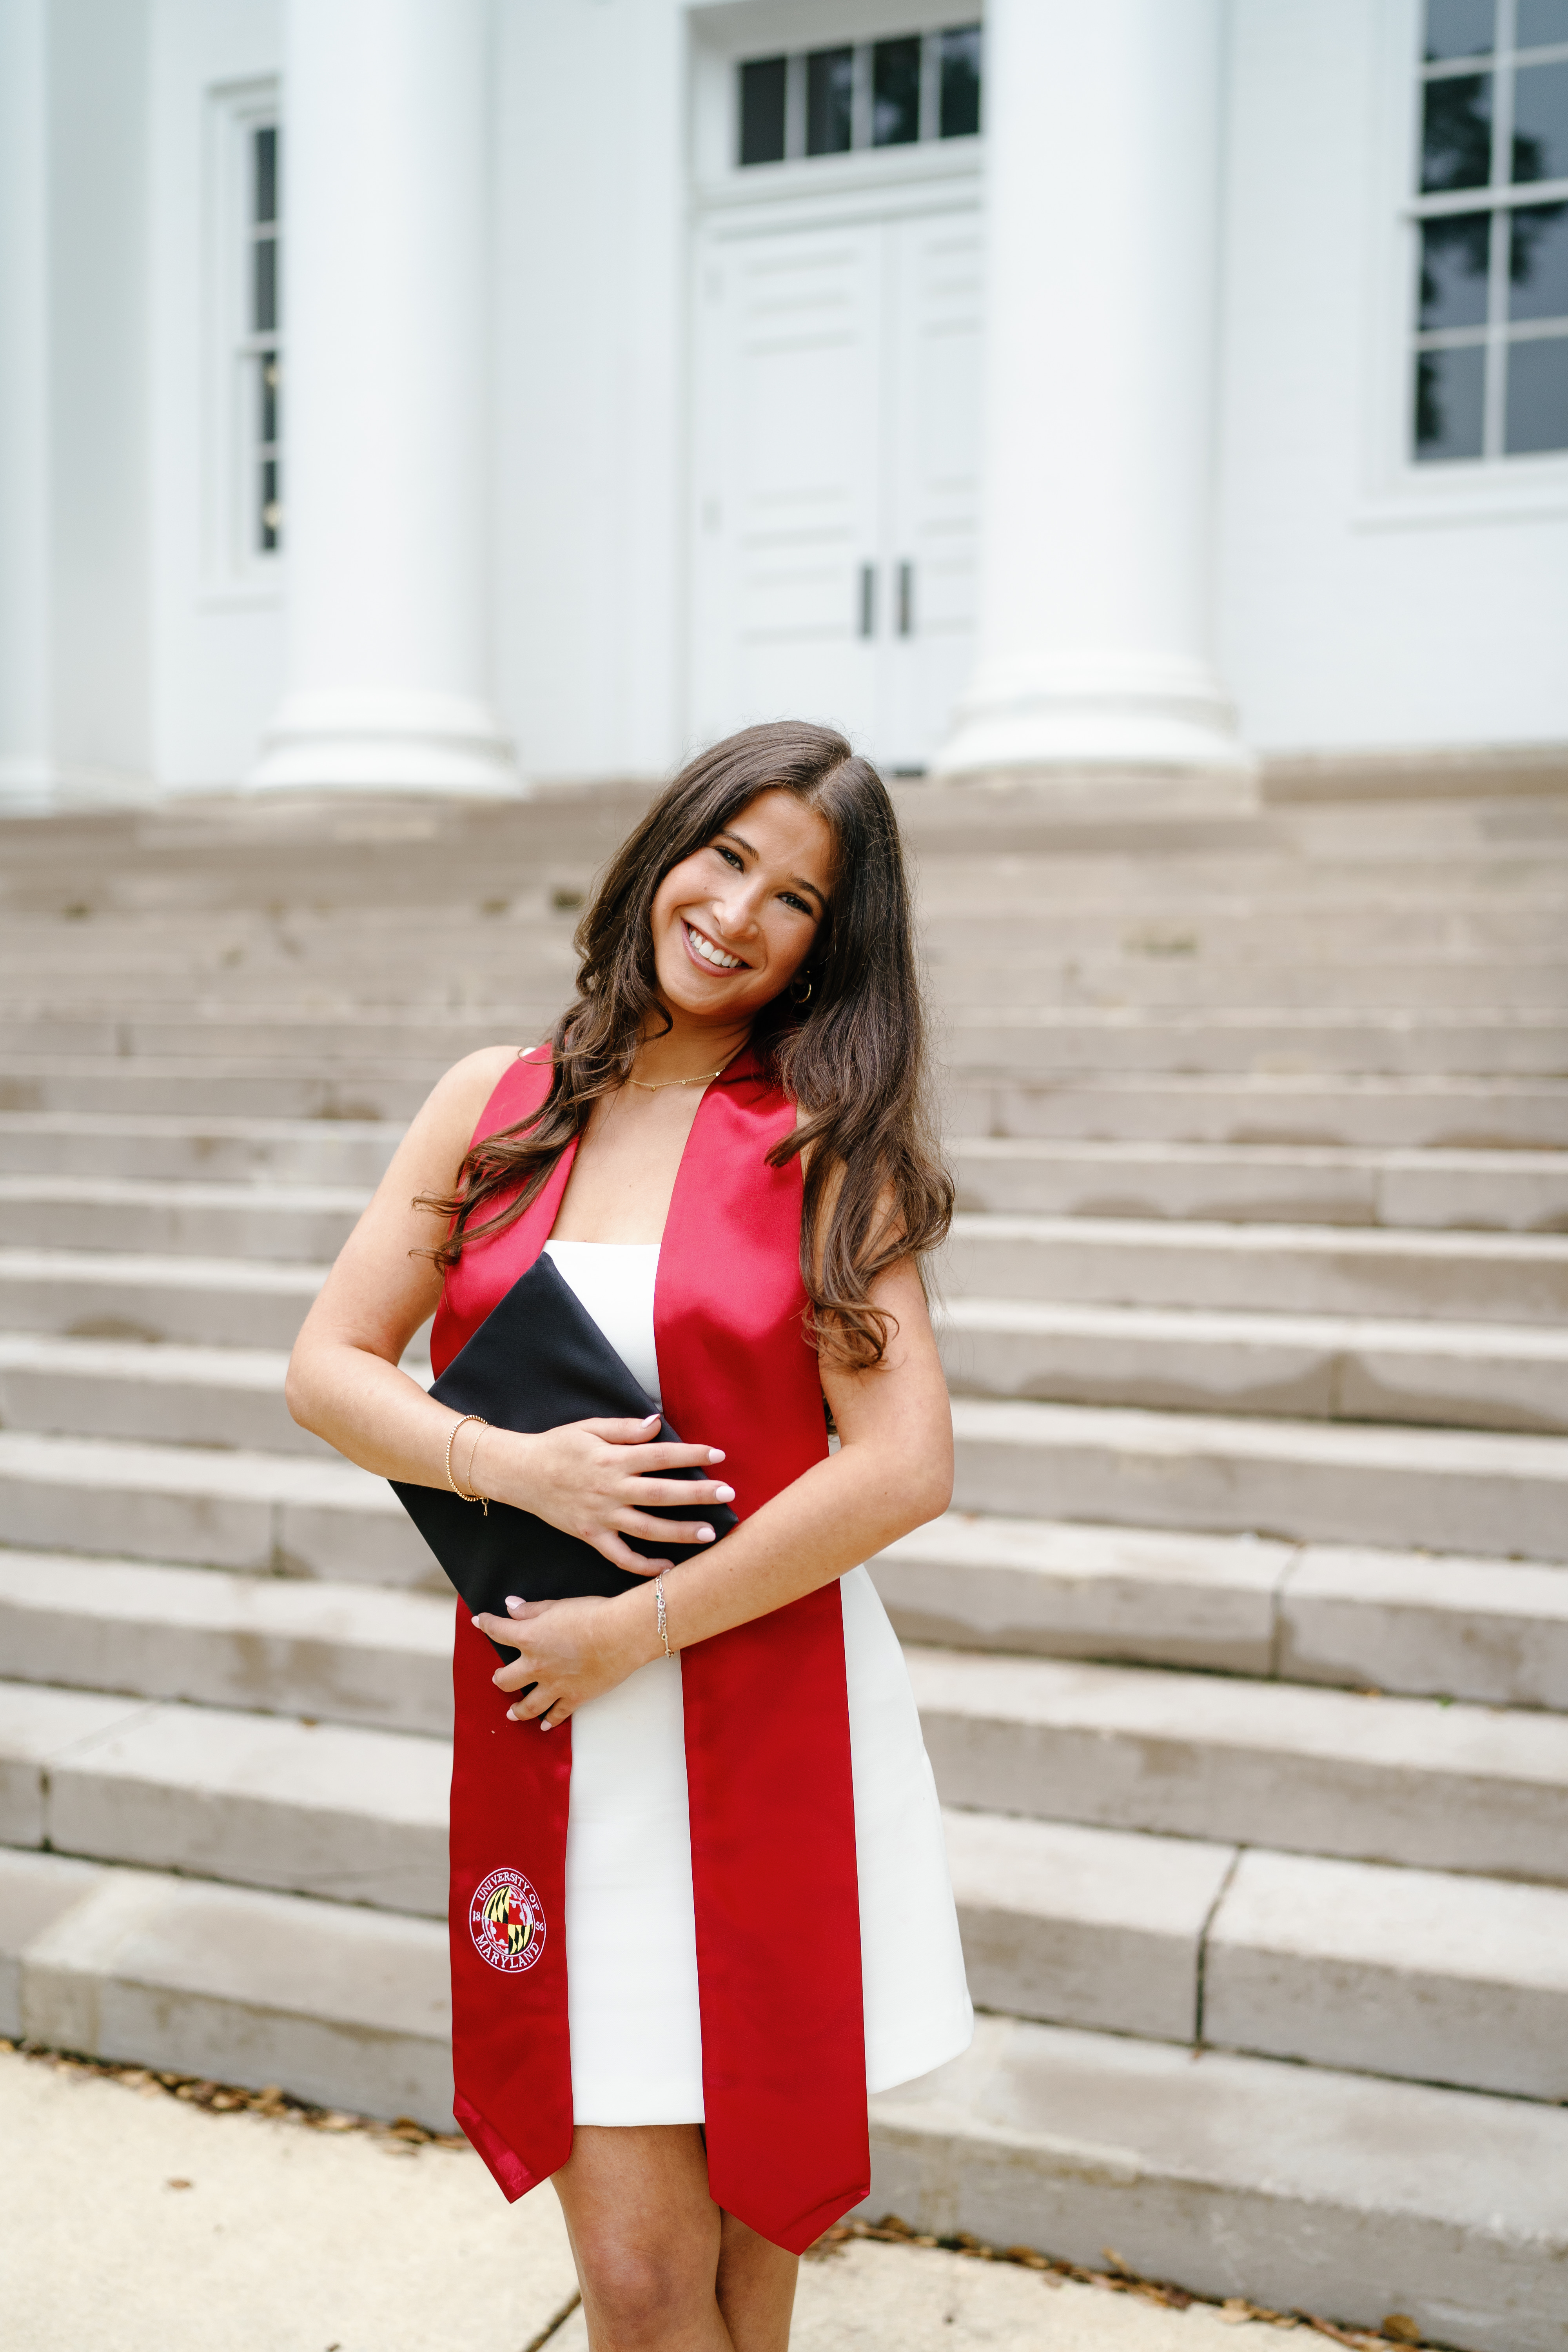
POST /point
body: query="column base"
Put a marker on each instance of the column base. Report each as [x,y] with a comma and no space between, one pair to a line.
[1161,730]
[386,743]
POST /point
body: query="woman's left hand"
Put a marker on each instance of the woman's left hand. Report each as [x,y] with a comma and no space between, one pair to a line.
[569,1650]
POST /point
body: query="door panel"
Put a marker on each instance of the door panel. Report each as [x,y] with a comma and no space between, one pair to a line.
[932,405]
[789,363]
[836,404]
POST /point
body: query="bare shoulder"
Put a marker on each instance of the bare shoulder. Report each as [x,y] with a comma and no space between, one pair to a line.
[444,1126]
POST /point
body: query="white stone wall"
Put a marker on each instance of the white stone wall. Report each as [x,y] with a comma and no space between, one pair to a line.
[1365,602]
[1359,602]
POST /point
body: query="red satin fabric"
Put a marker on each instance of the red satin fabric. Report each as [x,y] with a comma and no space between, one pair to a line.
[767,1726]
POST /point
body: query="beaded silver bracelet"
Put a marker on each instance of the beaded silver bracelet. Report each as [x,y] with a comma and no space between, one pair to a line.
[663,1620]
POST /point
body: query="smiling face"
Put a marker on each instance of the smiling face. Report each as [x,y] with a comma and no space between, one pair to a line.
[733,923]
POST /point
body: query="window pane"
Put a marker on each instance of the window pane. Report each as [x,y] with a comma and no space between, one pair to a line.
[829,81]
[896,92]
[266,176]
[763,111]
[264,285]
[1537,408]
[1540,21]
[1541,122]
[1459,29]
[1453,271]
[1457,132]
[1450,392]
[960,110]
[1538,263]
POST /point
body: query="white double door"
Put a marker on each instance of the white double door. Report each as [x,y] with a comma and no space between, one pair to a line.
[835,468]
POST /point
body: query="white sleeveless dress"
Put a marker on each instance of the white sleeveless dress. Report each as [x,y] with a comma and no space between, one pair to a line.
[631,1938]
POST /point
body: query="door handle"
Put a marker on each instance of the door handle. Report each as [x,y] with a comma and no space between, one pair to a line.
[906,600]
[868,600]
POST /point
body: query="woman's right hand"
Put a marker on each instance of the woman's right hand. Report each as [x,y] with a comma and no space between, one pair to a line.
[589,1478]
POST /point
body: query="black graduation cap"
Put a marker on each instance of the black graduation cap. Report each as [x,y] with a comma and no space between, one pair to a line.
[537,1362]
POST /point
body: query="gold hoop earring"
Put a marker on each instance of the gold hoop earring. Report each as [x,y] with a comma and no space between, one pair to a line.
[798,995]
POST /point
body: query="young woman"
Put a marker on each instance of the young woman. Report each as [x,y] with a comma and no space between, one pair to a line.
[724,1149]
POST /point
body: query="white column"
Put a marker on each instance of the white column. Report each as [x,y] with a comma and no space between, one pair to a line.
[1102,128]
[26,764]
[386,425]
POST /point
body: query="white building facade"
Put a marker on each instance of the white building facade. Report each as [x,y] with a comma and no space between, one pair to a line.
[466,393]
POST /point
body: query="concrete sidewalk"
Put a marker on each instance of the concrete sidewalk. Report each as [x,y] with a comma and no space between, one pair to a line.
[134,2219]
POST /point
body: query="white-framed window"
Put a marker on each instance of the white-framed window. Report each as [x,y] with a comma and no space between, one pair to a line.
[261,344]
[893,92]
[1488,374]
[246,274]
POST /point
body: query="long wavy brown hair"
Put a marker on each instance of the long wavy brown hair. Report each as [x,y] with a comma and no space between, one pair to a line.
[853,1057]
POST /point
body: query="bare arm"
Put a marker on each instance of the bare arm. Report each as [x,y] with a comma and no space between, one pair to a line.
[892,1472]
[345,1384]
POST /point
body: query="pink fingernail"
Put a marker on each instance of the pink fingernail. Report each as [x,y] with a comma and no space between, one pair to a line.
[715,1454]
[725,1493]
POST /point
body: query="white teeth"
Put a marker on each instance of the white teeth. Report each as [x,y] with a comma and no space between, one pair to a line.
[712,955]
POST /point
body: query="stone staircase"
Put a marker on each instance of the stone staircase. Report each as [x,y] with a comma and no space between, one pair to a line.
[1243,1655]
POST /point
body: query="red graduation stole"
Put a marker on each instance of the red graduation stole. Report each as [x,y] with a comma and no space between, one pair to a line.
[767,1731]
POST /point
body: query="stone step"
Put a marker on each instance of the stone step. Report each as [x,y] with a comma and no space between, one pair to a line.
[1328,2193]
[131,1214]
[1438,1785]
[1426,1623]
[118,1006]
[334,1153]
[1278,1269]
[1306,1367]
[1302,1959]
[271,1644]
[171,1395]
[348,2008]
[1346,1964]
[1472,1112]
[1106,981]
[397,957]
[198,1089]
[1464,1376]
[1299,1184]
[1305,1482]
[1469,1114]
[344,1812]
[1487,1042]
[300,1033]
[1005,1034]
[1164,907]
[265,1514]
[356,1813]
[1099,1261]
[1516,1191]
[1494,1631]
[1325,2191]
[1273,930]
[110,1295]
[1386,1970]
[1359,1777]
[1479,1491]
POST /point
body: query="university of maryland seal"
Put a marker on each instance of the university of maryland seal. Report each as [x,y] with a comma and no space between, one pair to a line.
[506,1920]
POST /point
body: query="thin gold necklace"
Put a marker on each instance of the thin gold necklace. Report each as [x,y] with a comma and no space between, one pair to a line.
[657,1086]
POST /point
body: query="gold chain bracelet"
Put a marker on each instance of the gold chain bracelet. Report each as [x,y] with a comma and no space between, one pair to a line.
[451,1482]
